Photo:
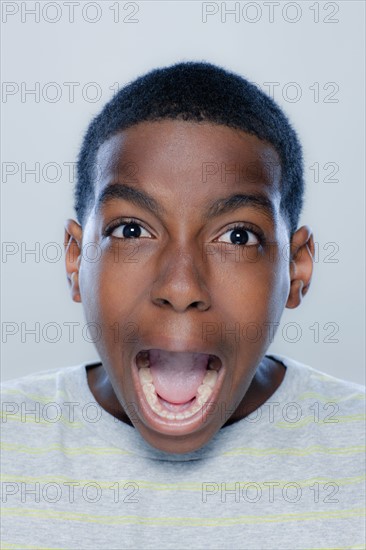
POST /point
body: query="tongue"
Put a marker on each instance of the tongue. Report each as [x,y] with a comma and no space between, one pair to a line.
[177,375]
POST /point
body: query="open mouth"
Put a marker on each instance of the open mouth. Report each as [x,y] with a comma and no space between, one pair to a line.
[177,385]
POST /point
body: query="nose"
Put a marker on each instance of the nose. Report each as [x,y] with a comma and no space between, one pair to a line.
[180,284]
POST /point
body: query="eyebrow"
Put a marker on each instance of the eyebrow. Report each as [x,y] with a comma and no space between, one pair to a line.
[234,202]
[121,191]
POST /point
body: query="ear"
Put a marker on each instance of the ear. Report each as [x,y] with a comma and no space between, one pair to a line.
[301,265]
[72,244]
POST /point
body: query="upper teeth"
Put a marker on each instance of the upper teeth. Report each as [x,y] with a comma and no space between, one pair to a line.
[143,360]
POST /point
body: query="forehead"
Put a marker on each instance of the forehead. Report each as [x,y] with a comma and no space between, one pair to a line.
[188,161]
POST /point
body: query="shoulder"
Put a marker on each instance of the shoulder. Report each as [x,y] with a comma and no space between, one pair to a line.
[315,377]
[308,383]
[42,386]
[40,414]
[40,399]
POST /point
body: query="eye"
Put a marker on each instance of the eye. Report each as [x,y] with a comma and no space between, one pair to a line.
[131,229]
[241,236]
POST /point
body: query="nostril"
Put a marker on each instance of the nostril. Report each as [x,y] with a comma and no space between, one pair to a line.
[161,302]
[201,306]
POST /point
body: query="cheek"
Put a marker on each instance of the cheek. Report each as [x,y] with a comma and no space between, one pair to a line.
[274,289]
[89,282]
[252,291]
[111,287]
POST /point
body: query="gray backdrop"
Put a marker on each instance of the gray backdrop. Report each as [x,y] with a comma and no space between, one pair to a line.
[62,61]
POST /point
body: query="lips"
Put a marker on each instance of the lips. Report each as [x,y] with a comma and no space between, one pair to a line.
[177,390]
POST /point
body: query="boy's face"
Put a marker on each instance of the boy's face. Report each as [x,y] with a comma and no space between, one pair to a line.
[188,283]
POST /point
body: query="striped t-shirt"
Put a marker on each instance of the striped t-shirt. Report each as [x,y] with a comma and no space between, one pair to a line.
[291,475]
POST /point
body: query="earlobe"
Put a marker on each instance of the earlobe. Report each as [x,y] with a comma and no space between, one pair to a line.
[301,265]
[296,294]
[74,286]
[72,244]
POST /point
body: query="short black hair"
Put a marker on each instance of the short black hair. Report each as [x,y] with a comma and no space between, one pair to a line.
[201,92]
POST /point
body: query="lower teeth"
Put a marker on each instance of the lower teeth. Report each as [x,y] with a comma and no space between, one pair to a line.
[204,392]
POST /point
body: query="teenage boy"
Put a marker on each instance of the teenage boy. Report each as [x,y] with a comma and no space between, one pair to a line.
[186,434]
